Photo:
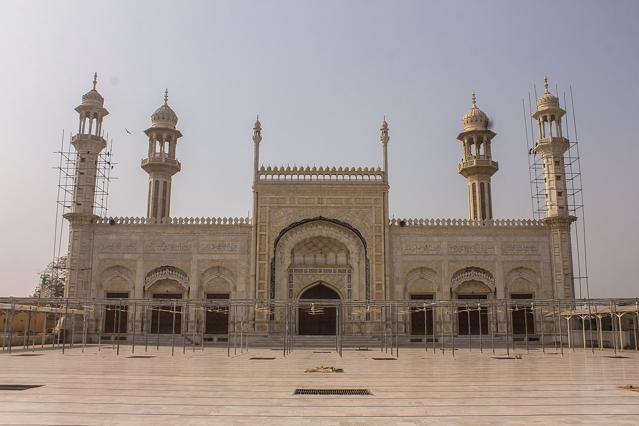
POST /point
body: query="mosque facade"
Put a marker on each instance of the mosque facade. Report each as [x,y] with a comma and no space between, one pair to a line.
[317,233]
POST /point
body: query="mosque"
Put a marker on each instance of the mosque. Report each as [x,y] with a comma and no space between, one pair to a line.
[317,233]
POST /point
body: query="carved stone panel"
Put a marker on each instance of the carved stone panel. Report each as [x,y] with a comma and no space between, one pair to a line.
[421,247]
[519,248]
[471,248]
[219,246]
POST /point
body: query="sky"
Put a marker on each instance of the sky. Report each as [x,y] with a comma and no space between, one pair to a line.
[321,75]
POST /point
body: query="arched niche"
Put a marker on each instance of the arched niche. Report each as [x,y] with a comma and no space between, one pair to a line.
[420,281]
[472,287]
[166,279]
[115,279]
[319,290]
[522,280]
[320,237]
[217,280]
[320,251]
[471,277]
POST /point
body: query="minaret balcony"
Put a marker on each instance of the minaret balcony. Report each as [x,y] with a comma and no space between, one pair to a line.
[161,164]
[84,142]
[477,166]
[554,145]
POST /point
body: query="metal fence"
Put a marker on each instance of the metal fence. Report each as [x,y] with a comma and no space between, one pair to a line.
[442,326]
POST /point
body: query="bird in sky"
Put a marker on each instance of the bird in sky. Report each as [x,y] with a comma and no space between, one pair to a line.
[127,130]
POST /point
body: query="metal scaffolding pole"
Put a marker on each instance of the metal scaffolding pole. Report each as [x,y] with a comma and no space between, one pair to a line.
[135,325]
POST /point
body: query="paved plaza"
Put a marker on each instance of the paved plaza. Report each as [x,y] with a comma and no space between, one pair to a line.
[100,387]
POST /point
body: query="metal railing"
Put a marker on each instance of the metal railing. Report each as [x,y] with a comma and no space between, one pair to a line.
[445,326]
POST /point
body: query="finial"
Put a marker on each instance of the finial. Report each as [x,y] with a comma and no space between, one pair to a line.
[546,84]
[257,125]
[95,80]
[474,100]
[166,96]
[383,137]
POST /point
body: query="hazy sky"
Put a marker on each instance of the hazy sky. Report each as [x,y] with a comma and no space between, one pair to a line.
[321,74]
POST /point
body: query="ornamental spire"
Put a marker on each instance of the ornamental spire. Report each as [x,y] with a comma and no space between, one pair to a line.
[257,130]
[166,96]
[95,80]
[384,131]
[546,84]
[474,100]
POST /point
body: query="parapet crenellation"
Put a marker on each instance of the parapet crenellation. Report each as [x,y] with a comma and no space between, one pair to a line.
[307,173]
[174,221]
[504,223]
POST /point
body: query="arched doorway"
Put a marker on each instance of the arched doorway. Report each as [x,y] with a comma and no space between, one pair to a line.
[472,317]
[165,285]
[316,318]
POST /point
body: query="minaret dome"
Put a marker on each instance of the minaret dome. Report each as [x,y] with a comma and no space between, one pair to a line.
[164,116]
[475,119]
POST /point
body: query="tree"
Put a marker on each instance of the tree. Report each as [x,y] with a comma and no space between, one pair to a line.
[52,279]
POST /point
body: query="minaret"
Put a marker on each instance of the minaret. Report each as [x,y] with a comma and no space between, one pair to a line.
[551,146]
[257,138]
[384,138]
[88,143]
[477,165]
[161,164]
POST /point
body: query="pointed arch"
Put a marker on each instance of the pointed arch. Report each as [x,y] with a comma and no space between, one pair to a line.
[320,290]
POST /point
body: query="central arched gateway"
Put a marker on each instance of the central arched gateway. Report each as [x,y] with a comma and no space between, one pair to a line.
[316,318]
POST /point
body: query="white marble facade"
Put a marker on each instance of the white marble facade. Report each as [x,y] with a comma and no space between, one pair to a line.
[315,224]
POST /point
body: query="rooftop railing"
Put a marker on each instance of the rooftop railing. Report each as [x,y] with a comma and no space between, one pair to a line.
[174,221]
[337,174]
[515,223]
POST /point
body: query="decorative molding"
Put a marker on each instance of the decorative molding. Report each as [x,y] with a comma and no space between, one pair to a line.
[473,273]
[173,221]
[503,223]
[310,174]
[421,273]
[320,270]
[166,273]
[118,271]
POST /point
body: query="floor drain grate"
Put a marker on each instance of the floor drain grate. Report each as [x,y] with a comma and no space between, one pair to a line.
[385,359]
[617,356]
[28,355]
[18,387]
[363,349]
[321,352]
[261,358]
[505,357]
[332,392]
[141,356]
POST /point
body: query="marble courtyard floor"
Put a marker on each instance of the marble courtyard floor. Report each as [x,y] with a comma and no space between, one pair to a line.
[99,387]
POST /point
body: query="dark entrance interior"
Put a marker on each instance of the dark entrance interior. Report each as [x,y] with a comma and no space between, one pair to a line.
[115,316]
[522,316]
[421,323]
[217,318]
[318,319]
[162,316]
[470,320]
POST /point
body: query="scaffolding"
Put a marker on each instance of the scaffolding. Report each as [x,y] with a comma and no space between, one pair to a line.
[69,168]
[574,184]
